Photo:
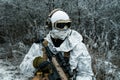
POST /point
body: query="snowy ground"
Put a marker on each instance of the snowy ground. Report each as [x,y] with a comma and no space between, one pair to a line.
[10,72]
[9,67]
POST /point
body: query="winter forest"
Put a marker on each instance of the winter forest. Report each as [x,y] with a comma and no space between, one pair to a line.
[23,21]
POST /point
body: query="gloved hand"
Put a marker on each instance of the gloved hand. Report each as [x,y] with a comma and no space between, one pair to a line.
[37,61]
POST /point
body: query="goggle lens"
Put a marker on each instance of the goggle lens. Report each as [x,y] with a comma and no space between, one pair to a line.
[63,25]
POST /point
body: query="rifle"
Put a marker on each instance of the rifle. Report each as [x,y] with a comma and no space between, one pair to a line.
[59,65]
[65,66]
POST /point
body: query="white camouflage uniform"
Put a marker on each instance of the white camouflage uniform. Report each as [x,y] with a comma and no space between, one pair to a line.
[80,59]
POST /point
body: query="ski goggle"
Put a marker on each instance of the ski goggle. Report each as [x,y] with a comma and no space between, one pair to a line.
[62,25]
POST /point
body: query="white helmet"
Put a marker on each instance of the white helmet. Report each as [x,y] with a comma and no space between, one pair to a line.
[58,16]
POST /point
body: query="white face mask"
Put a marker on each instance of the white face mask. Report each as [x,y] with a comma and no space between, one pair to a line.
[60,34]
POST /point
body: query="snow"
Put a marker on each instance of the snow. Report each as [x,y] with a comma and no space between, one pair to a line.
[10,72]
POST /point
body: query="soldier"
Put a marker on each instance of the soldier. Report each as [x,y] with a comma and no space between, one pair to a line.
[61,38]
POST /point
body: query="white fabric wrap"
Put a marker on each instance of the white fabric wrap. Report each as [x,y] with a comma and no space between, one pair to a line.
[26,65]
[60,34]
